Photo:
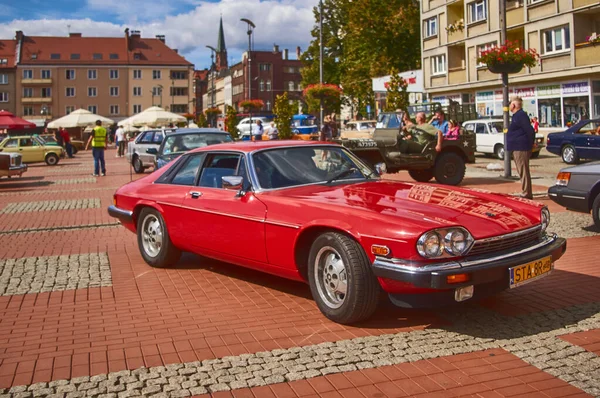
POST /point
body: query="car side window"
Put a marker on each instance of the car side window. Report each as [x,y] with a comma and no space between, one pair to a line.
[158,138]
[480,128]
[12,143]
[469,127]
[216,167]
[146,139]
[186,174]
[27,142]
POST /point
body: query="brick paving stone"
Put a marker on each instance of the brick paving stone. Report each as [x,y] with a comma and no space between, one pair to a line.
[50,205]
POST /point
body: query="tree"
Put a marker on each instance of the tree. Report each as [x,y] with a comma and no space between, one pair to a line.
[231,122]
[284,111]
[397,96]
[202,122]
[329,93]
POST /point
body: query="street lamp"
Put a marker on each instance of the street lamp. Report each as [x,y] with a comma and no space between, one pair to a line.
[251,27]
[321,62]
[213,55]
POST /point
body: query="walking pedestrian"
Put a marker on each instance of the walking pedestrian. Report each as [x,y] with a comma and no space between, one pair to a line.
[273,132]
[519,141]
[64,134]
[258,131]
[334,126]
[325,134]
[98,141]
[120,139]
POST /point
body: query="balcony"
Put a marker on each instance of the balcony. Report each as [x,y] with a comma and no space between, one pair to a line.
[583,3]
[515,16]
[455,19]
[36,81]
[36,100]
[586,54]
[457,75]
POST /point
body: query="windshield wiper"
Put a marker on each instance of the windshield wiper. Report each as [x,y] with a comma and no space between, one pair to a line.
[342,174]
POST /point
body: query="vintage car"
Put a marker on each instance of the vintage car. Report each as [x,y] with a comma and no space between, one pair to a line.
[137,150]
[358,129]
[50,139]
[304,127]
[490,140]
[10,165]
[580,141]
[32,149]
[314,212]
[578,188]
[184,140]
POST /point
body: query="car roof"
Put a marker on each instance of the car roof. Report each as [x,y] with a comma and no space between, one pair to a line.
[201,130]
[251,146]
[20,136]
[487,119]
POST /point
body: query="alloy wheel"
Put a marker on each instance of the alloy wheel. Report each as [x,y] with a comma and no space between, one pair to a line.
[152,235]
[331,277]
[568,155]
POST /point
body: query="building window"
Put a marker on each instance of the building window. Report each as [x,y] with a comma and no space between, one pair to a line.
[268,104]
[46,74]
[482,48]
[33,56]
[268,85]
[262,85]
[557,40]
[179,91]
[92,74]
[265,67]
[70,92]
[27,111]
[113,56]
[46,92]
[69,109]
[54,56]
[178,75]
[70,74]
[3,97]
[477,11]
[92,92]
[550,112]
[156,91]
[27,74]
[137,73]
[75,56]
[137,91]
[114,74]
[137,108]
[291,86]
[114,91]
[438,65]
[27,92]
[114,109]
[3,78]
[156,75]
[97,56]
[179,108]
[93,108]
[136,56]
[430,28]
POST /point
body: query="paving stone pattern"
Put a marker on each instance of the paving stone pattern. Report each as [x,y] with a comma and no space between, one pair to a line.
[15,193]
[533,338]
[573,225]
[51,205]
[53,273]
[73,181]
[69,169]
[61,228]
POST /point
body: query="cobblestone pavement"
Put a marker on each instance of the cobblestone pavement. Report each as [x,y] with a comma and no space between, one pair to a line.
[81,314]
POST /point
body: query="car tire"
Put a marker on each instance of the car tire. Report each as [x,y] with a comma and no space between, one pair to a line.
[341,280]
[449,169]
[154,241]
[569,154]
[138,166]
[596,211]
[535,155]
[499,151]
[421,175]
[51,159]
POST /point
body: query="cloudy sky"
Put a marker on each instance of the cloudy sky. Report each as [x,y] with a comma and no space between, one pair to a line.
[189,25]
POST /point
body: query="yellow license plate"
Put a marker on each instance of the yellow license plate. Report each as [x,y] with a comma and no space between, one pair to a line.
[526,273]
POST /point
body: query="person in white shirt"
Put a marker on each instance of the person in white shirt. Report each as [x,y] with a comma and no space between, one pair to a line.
[258,131]
[120,138]
[273,132]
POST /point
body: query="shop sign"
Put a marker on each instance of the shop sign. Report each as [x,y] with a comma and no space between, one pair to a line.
[548,91]
[525,92]
[576,88]
[484,96]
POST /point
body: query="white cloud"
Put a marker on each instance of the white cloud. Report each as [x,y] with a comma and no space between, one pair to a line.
[286,23]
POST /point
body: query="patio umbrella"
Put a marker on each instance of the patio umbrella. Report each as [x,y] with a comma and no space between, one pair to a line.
[79,118]
[11,122]
[155,116]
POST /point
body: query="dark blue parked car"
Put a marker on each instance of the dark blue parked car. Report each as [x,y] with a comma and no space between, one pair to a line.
[580,141]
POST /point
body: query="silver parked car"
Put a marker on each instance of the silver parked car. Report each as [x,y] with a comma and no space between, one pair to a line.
[578,188]
[137,153]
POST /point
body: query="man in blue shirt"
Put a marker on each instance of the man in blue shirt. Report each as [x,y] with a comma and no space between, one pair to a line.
[439,122]
[519,141]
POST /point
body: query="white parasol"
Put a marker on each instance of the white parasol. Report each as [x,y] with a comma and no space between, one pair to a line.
[154,116]
[79,118]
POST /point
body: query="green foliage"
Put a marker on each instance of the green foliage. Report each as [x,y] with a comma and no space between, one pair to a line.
[231,122]
[202,122]
[329,93]
[284,111]
[397,96]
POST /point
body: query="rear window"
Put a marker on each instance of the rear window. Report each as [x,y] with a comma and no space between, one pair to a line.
[187,142]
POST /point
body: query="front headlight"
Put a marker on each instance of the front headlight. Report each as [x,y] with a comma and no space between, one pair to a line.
[545,217]
[445,242]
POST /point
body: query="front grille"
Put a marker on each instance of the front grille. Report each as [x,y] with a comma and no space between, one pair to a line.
[505,242]
[17,160]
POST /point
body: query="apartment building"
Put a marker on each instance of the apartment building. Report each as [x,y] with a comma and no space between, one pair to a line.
[562,89]
[8,98]
[114,77]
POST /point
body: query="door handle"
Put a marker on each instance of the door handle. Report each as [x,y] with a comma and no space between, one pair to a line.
[195,194]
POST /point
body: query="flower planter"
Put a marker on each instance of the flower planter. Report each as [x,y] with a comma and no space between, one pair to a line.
[505,67]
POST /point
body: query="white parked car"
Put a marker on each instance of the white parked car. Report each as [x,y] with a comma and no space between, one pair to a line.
[490,139]
[244,125]
[136,149]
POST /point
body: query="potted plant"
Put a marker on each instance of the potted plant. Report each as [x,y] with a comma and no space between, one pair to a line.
[509,58]
[456,26]
[252,105]
[329,93]
[593,39]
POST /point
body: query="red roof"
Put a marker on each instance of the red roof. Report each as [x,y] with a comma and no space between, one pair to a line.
[7,52]
[200,74]
[76,49]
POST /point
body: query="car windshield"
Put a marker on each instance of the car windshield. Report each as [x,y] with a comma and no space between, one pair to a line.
[186,142]
[496,127]
[288,167]
[304,122]
[388,121]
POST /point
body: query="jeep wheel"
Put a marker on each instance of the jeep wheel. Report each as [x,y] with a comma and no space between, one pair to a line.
[421,175]
[450,169]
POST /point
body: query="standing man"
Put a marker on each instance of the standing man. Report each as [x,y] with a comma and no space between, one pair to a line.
[120,139]
[67,141]
[520,142]
[273,132]
[98,140]
[439,121]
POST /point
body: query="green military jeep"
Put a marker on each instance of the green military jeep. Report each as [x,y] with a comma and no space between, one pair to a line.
[447,166]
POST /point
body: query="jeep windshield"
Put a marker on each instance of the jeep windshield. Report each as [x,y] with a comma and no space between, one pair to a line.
[388,121]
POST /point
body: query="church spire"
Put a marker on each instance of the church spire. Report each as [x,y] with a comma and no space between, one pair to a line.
[221,43]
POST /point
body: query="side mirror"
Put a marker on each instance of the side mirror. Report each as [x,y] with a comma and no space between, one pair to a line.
[152,151]
[232,183]
[380,168]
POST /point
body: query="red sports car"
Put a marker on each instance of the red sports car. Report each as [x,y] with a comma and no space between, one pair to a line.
[314,212]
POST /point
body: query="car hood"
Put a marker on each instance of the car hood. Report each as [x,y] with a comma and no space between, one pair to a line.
[416,207]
